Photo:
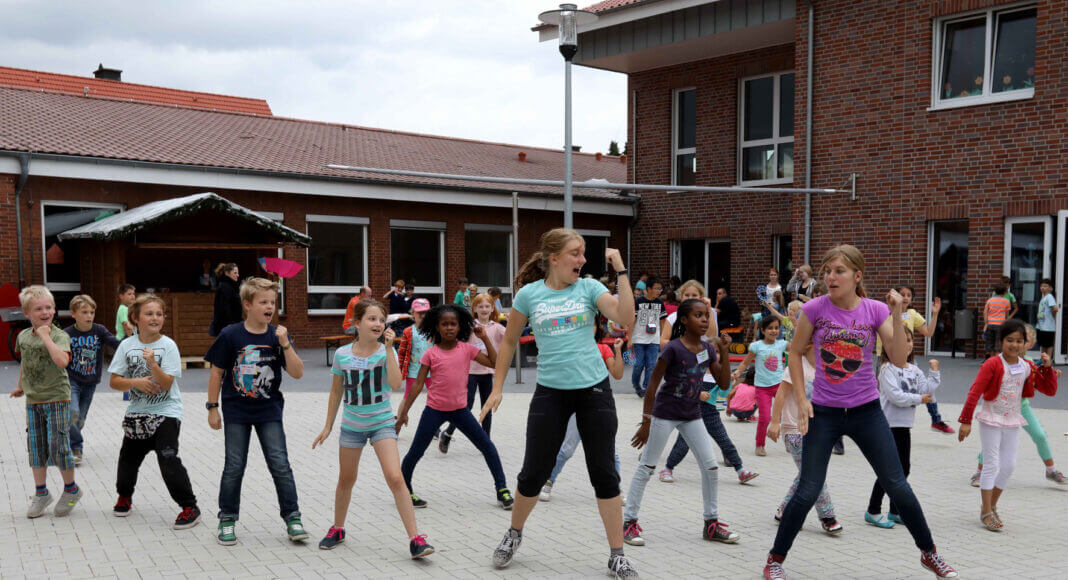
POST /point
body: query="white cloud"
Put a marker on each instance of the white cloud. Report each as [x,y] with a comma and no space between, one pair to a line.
[472,69]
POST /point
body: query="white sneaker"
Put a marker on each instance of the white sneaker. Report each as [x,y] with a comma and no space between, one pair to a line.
[38,503]
[66,502]
[546,491]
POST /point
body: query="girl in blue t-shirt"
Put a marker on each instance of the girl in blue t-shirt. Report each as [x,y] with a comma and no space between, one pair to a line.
[766,356]
[561,308]
[364,374]
[677,405]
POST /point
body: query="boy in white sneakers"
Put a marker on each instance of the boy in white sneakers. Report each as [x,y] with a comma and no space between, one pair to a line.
[247,359]
[45,351]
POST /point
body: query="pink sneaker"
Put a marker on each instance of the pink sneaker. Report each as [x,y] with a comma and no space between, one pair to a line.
[666,476]
[773,570]
[745,475]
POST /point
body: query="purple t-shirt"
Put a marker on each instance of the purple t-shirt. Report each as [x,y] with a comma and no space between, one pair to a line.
[845,342]
[678,398]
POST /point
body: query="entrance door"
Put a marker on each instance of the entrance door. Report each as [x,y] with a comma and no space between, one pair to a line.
[1060,345]
[707,261]
[1028,254]
[947,277]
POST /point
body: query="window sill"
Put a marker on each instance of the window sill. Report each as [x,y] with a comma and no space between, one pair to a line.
[1006,97]
[784,181]
[327,312]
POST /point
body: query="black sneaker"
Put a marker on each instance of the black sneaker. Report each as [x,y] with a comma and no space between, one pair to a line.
[418,502]
[443,442]
[716,531]
[504,499]
[419,548]
[189,517]
[839,448]
[122,507]
[333,537]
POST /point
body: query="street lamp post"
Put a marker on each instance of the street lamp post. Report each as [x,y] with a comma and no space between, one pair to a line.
[567,20]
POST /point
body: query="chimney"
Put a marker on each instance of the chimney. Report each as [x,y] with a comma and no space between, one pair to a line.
[108,74]
[576,148]
[623,158]
[522,156]
[598,156]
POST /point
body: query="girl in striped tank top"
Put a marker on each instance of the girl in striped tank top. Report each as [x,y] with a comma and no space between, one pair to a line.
[364,373]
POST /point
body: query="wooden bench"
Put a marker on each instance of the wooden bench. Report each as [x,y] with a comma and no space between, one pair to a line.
[334,342]
[195,362]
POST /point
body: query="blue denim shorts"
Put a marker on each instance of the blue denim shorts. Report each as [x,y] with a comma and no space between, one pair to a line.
[358,439]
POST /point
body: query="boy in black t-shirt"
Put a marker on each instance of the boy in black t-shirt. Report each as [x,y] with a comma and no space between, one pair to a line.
[247,359]
[87,341]
[645,337]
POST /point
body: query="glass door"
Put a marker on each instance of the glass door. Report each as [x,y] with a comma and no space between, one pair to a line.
[1028,244]
[1061,345]
[947,279]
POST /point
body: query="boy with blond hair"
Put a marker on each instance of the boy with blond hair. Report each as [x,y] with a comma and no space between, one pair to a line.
[45,351]
[247,359]
[87,341]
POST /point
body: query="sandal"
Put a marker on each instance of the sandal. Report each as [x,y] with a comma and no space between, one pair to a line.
[997,517]
[990,520]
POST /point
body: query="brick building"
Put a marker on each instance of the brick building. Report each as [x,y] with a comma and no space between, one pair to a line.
[953,114]
[68,158]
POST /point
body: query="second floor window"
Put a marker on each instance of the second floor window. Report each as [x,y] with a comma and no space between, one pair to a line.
[985,57]
[766,152]
[684,138]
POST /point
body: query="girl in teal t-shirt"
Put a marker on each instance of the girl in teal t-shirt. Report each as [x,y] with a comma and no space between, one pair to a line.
[561,308]
[766,357]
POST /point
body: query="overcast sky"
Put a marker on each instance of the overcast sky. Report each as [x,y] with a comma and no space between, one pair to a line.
[465,69]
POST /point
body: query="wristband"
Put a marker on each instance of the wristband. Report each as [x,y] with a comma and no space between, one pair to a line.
[647,416]
[622,272]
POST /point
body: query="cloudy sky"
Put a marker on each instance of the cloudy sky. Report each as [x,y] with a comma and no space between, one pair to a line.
[466,69]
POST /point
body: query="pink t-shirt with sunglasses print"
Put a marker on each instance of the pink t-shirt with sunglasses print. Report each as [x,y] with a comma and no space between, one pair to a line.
[845,342]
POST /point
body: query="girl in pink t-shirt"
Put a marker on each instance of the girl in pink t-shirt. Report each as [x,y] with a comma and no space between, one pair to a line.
[449,327]
[480,378]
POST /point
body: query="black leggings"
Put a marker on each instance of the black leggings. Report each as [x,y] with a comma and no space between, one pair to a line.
[595,414]
[165,443]
[903,441]
[484,385]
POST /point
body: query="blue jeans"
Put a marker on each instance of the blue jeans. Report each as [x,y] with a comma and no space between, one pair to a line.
[644,360]
[715,428]
[81,396]
[571,441]
[273,443]
[868,428]
[932,408]
[429,423]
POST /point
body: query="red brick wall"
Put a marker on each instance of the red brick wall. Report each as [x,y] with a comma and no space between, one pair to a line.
[305,328]
[872,93]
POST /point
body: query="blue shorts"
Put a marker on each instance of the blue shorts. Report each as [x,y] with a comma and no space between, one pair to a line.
[358,439]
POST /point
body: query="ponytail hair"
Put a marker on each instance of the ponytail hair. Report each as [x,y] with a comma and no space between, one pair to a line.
[685,308]
[853,260]
[537,267]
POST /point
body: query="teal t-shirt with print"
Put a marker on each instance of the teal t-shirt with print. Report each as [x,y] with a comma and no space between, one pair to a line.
[1047,321]
[768,364]
[563,322]
[366,390]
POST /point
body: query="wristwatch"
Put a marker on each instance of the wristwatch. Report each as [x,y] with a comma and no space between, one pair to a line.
[622,272]
[209,406]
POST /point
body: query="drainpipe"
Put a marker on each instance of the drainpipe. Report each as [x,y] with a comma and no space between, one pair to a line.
[808,128]
[24,174]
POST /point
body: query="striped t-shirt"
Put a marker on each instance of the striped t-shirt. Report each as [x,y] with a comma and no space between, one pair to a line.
[367,405]
[998,308]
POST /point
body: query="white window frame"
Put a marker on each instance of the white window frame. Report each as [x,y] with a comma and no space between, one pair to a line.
[506,289]
[675,150]
[939,28]
[776,140]
[66,286]
[1048,252]
[327,289]
[426,226]
[676,259]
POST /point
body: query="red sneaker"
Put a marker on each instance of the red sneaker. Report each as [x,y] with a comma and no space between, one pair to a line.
[773,569]
[933,562]
[941,427]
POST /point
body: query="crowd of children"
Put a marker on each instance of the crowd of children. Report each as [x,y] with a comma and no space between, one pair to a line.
[832,362]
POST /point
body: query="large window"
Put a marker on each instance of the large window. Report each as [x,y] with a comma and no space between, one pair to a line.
[985,57]
[766,119]
[337,262]
[488,258]
[62,260]
[417,255]
[707,261]
[684,139]
[596,244]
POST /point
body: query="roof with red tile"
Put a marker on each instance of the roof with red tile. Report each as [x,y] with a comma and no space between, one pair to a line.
[56,123]
[609,5]
[14,77]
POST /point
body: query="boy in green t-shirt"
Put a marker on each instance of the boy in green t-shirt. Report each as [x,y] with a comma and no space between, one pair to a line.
[45,351]
[123,327]
[461,298]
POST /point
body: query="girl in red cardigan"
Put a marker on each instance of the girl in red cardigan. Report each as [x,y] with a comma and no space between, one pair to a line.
[1003,382]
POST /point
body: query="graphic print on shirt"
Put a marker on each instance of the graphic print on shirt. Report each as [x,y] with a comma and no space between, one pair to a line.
[253,375]
[87,349]
[554,319]
[363,386]
[137,368]
[1007,403]
[772,363]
